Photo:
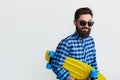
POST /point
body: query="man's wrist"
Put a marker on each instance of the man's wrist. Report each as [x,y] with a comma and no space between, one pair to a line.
[70,78]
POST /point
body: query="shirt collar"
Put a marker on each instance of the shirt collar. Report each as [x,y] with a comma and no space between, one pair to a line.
[76,35]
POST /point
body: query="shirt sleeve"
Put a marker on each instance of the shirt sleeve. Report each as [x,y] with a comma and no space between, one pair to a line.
[94,61]
[58,60]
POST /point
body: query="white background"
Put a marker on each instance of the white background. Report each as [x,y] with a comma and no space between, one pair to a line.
[30,27]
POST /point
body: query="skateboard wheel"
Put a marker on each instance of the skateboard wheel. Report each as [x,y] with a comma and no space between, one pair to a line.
[94,74]
[51,53]
[48,66]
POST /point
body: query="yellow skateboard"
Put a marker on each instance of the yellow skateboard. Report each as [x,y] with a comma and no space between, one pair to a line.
[77,69]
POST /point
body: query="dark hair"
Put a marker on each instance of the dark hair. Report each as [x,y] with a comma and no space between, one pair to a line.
[80,11]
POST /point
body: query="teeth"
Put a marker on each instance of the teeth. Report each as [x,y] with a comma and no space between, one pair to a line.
[85,30]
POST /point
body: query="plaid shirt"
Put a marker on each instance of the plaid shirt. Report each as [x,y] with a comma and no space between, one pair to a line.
[76,47]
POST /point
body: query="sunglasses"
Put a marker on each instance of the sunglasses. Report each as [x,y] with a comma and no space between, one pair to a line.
[83,23]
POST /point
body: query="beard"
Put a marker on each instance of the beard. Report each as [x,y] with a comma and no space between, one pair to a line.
[82,33]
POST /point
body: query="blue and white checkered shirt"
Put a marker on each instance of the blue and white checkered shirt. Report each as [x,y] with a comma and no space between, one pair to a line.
[76,47]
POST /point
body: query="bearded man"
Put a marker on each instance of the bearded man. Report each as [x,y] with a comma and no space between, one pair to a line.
[79,45]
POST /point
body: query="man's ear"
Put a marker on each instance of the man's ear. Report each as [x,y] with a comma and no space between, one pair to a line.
[74,21]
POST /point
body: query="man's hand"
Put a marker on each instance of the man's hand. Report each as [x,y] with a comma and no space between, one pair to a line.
[70,78]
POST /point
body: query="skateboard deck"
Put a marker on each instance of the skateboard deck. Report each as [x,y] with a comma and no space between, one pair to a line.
[77,69]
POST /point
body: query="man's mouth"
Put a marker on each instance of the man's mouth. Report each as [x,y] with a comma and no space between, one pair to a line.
[85,30]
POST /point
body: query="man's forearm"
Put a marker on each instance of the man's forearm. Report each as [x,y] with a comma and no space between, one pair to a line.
[70,78]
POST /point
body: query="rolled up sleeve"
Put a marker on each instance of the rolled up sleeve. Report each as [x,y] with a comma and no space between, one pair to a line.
[58,60]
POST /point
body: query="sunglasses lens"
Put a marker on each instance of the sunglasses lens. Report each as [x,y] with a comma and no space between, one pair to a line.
[90,23]
[82,23]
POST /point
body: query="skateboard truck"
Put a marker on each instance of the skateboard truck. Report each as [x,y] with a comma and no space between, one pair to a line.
[49,55]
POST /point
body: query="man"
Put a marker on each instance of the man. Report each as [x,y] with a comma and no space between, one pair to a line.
[79,45]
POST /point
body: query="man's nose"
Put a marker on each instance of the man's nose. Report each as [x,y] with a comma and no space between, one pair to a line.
[86,25]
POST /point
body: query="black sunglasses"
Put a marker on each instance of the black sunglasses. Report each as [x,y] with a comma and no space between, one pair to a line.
[83,23]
